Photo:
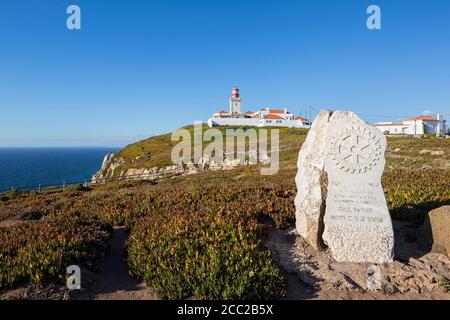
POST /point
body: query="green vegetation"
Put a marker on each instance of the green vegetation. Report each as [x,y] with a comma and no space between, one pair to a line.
[199,236]
[412,194]
[33,251]
[230,237]
[12,194]
[203,256]
[198,225]
[445,284]
[409,153]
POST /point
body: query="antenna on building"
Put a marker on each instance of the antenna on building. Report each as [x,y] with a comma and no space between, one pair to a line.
[438,131]
[310,115]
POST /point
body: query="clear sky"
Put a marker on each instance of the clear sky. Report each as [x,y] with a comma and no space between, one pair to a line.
[143,67]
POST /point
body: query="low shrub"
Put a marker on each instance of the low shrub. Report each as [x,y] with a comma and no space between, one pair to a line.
[410,195]
[220,221]
[203,256]
[33,251]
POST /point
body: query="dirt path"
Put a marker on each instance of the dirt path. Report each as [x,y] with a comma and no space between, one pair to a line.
[114,282]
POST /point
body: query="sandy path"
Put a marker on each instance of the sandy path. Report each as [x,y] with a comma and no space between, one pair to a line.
[114,281]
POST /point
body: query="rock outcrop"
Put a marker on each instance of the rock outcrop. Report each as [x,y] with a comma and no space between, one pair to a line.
[435,232]
[111,165]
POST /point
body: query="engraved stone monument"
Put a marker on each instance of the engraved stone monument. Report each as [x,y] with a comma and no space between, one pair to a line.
[340,198]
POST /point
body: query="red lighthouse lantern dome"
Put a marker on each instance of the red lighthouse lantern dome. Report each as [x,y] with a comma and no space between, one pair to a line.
[235,93]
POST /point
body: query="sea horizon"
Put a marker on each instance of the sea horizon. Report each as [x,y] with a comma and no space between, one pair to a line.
[29,168]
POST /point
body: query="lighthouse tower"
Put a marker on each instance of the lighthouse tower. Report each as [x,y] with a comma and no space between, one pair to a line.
[235,102]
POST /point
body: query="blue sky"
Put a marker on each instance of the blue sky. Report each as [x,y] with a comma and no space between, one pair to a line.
[144,67]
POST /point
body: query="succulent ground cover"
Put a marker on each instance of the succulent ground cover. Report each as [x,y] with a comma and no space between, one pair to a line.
[193,236]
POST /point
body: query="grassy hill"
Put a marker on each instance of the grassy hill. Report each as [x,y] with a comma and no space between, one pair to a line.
[156,151]
[405,152]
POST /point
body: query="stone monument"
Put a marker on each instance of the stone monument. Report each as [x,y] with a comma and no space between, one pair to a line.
[340,202]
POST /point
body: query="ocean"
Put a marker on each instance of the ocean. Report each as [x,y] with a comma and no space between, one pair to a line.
[27,168]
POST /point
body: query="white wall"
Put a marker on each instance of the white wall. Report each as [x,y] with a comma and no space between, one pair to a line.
[430,126]
[395,129]
[416,126]
[281,123]
[232,122]
[254,122]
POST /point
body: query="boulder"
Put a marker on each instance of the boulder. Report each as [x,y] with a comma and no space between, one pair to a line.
[435,232]
[340,202]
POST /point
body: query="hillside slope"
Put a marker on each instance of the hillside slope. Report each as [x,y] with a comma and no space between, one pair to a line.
[154,153]
[152,157]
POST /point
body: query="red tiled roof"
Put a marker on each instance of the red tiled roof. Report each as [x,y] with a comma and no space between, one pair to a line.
[249,112]
[272,116]
[299,118]
[276,111]
[429,118]
[223,111]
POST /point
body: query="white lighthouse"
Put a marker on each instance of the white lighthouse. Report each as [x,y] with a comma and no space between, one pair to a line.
[235,102]
[265,117]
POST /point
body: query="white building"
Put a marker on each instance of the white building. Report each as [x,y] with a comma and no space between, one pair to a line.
[417,125]
[264,117]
